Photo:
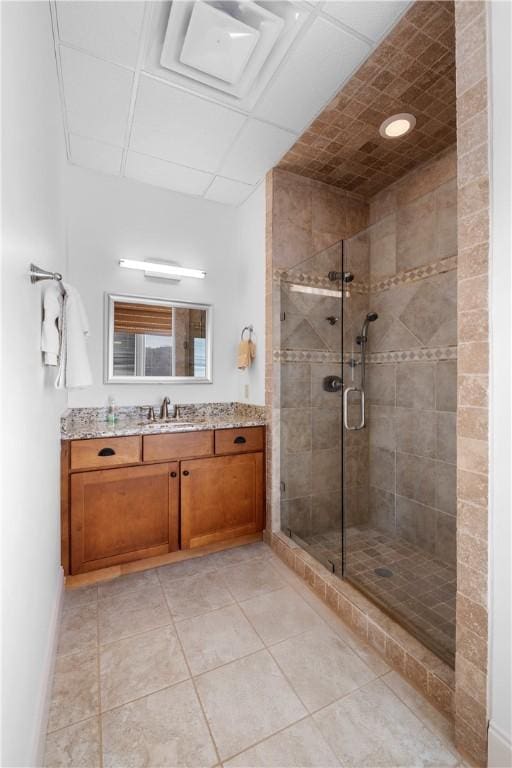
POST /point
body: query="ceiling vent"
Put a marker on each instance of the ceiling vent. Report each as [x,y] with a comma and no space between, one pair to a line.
[225,50]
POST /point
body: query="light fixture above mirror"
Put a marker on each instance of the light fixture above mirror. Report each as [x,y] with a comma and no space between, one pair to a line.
[162,269]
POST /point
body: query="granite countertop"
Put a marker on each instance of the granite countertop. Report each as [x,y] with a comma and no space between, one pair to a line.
[85,423]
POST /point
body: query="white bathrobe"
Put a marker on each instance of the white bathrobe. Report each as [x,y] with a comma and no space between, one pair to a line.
[63,337]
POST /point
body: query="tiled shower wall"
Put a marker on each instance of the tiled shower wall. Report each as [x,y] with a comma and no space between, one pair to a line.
[412,377]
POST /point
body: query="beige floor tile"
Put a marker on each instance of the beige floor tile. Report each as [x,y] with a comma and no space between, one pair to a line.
[78,629]
[75,689]
[247,700]
[299,746]
[79,596]
[281,614]
[165,729]
[216,638]
[241,554]
[132,613]
[429,716]
[362,649]
[194,567]
[140,665]
[195,595]
[321,667]
[372,727]
[77,746]
[252,578]
[132,582]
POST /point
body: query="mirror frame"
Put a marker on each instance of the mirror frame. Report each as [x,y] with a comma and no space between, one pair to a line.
[108,341]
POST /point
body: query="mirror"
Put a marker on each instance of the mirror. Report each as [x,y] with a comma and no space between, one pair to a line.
[155,340]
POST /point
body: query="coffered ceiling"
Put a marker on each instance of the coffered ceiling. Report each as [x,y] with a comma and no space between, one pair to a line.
[412,71]
[205,98]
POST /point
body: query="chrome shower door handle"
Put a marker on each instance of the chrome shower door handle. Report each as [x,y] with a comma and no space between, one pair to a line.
[362,422]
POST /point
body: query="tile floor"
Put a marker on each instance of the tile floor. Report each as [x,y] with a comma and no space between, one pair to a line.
[420,592]
[228,660]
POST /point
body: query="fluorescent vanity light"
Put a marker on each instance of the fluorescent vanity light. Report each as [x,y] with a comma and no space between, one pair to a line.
[297,288]
[397,125]
[158,268]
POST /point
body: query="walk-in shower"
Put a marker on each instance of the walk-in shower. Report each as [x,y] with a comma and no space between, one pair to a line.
[365,463]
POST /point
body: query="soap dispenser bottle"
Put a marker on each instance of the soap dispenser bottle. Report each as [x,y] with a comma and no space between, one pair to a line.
[112,411]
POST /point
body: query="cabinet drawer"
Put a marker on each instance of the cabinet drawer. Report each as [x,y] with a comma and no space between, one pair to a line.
[105,452]
[177,446]
[239,440]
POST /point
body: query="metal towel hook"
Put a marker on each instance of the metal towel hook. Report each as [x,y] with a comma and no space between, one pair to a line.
[37,273]
[247,328]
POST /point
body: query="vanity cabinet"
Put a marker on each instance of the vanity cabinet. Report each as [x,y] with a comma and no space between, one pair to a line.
[128,498]
[118,515]
[221,497]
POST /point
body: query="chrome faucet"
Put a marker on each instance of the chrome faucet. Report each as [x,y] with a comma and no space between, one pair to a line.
[164,408]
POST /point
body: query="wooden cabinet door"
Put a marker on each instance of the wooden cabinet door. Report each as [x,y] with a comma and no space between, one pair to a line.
[221,498]
[118,515]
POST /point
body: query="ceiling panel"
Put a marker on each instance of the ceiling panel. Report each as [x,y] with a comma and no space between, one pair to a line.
[228,191]
[110,30]
[97,96]
[126,113]
[316,68]
[169,175]
[258,147]
[177,126]
[370,18]
[95,155]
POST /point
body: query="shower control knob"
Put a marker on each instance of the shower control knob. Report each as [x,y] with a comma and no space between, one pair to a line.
[333,384]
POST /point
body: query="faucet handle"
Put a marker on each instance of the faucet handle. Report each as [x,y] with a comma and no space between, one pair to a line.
[151,414]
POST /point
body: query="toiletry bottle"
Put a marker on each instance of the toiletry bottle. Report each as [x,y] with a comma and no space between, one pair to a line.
[112,411]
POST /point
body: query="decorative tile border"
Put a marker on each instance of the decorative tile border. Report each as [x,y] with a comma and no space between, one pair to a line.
[305,356]
[432,354]
[314,281]
[423,669]
[400,278]
[413,275]
[414,355]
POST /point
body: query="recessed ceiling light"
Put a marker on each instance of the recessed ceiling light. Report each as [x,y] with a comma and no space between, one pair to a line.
[397,125]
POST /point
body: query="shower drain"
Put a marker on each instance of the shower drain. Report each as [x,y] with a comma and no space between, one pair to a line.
[386,572]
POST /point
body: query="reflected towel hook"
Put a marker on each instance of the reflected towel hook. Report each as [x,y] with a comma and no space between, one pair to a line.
[247,328]
[37,273]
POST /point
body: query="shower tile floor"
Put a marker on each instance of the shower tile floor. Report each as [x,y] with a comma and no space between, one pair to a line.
[420,591]
[230,660]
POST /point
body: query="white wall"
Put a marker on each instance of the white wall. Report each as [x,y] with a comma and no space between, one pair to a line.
[251,291]
[32,158]
[500,641]
[110,218]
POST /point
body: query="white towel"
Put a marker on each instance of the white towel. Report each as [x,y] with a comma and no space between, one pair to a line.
[70,342]
[50,332]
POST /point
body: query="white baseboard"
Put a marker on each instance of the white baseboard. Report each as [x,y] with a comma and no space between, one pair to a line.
[500,748]
[43,709]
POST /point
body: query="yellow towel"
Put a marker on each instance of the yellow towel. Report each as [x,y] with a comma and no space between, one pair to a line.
[246,354]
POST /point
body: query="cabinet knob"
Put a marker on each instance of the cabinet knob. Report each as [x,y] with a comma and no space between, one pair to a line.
[107,452]
[173,474]
[239,439]
[186,472]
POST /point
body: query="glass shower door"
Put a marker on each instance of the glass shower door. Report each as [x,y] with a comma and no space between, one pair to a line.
[309,364]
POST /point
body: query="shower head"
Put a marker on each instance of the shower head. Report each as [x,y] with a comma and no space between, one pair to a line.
[370,318]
